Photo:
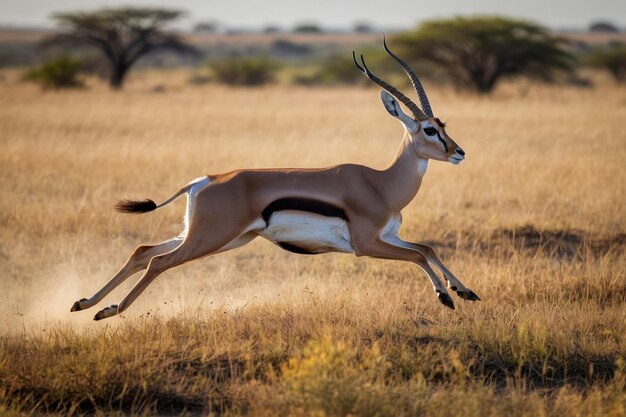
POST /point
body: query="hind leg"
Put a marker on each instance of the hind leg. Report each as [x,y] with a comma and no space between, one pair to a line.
[138,260]
[189,250]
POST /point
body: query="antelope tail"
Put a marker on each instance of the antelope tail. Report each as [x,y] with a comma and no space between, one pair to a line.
[144,206]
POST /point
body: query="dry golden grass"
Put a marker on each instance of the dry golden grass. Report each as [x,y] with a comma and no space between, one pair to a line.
[533,221]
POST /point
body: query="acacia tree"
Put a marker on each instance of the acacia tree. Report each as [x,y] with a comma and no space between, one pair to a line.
[477,52]
[123,35]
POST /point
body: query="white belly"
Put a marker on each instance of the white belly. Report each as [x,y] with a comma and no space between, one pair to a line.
[390,231]
[311,232]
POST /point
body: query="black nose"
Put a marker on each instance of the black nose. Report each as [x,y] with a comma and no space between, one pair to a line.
[460,151]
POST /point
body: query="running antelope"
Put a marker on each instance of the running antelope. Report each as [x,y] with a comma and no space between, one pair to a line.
[345,208]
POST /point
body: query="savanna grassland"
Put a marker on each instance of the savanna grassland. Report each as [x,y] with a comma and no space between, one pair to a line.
[533,221]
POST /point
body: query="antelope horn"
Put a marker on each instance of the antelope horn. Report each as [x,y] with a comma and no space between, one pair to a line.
[417,85]
[417,112]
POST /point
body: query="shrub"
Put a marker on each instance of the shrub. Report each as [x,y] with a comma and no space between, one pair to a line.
[59,72]
[248,71]
[336,69]
[612,60]
[198,78]
[340,69]
[333,379]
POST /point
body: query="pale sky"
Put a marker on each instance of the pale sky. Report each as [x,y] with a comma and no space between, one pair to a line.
[558,14]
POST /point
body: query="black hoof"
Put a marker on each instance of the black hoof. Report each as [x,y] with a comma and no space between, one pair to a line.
[446,300]
[106,312]
[76,306]
[469,295]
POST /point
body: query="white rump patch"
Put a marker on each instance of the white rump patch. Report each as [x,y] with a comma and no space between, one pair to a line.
[198,184]
[309,231]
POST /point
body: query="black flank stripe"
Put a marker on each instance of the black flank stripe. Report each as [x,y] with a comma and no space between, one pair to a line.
[303,204]
[295,249]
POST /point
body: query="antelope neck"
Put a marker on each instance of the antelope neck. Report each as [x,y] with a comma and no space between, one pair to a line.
[403,178]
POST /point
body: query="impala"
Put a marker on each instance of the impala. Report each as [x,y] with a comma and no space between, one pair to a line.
[345,208]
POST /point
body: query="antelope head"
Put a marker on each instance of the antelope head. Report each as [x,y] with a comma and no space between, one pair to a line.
[426,133]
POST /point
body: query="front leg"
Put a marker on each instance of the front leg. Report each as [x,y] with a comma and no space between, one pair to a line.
[377,248]
[453,282]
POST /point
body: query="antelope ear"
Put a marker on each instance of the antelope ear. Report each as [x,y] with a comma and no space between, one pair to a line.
[393,108]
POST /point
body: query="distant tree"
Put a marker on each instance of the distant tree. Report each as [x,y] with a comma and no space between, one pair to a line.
[612,60]
[603,26]
[285,48]
[206,27]
[271,29]
[363,27]
[308,28]
[477,52]
[123,35]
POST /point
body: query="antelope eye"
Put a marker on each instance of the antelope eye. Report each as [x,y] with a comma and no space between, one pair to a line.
[430,131]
